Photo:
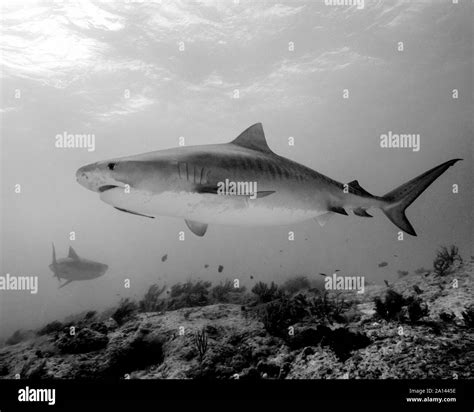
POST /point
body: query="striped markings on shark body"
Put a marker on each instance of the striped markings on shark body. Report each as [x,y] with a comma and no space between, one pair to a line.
[182,182]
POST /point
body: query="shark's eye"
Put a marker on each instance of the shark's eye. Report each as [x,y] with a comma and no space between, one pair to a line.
[111,166]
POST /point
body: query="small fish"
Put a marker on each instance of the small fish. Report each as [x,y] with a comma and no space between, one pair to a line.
[251,277]
[206,266]
[383,264]
[164,257]
[220,268]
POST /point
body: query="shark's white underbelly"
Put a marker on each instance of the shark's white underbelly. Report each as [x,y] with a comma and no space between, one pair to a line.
[210,208]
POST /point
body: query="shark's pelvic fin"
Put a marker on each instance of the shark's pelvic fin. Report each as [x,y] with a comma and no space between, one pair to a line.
[337,209]
[361,212]
[322,219]
[72,254]
[133,213]
[199,229]
[66,283]
[253,138]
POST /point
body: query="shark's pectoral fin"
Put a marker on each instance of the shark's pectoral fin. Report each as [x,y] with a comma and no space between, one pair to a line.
[264,193]
[67,283]
[361,212]
[199,229]
[214,190]
[322,219]
[133,213]
[337,209]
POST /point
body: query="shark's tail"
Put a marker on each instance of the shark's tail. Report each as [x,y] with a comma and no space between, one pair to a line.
[400,198]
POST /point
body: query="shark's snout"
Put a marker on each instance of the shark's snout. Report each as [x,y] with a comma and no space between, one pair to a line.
[103,268]
[96,177]
[84,176]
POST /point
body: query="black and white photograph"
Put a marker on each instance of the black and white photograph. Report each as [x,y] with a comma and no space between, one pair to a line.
[236,199]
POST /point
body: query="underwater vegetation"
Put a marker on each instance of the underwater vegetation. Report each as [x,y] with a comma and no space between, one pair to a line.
[293,330]
[445,259]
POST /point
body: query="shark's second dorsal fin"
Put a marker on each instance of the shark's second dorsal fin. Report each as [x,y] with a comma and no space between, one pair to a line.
[253,138]
[354,185]
[72,254]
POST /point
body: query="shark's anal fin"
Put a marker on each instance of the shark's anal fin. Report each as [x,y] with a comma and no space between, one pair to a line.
[66,283]
[133,213]
[199,229]
[322,219]
[361,212]
[72,254]
[357,189]
[253,138]
[337,209]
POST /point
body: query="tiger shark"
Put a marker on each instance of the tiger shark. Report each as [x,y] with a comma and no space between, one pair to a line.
[187,182]
[75,268]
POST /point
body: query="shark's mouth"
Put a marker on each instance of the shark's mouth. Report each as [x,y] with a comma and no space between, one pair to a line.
[103,189]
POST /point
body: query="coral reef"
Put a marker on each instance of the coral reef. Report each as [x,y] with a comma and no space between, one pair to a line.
[420,326]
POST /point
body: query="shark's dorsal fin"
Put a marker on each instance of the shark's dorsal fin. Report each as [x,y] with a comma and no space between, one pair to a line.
[253,138]
[358,189]
[54,256]
[72,254]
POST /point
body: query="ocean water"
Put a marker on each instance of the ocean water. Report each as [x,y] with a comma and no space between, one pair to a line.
[140,76]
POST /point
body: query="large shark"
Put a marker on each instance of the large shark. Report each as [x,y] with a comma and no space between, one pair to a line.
[75,268]
[187,182]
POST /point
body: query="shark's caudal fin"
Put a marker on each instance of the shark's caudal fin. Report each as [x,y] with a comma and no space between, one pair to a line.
[400,198]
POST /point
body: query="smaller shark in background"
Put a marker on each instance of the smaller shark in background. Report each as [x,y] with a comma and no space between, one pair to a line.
[75,268]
